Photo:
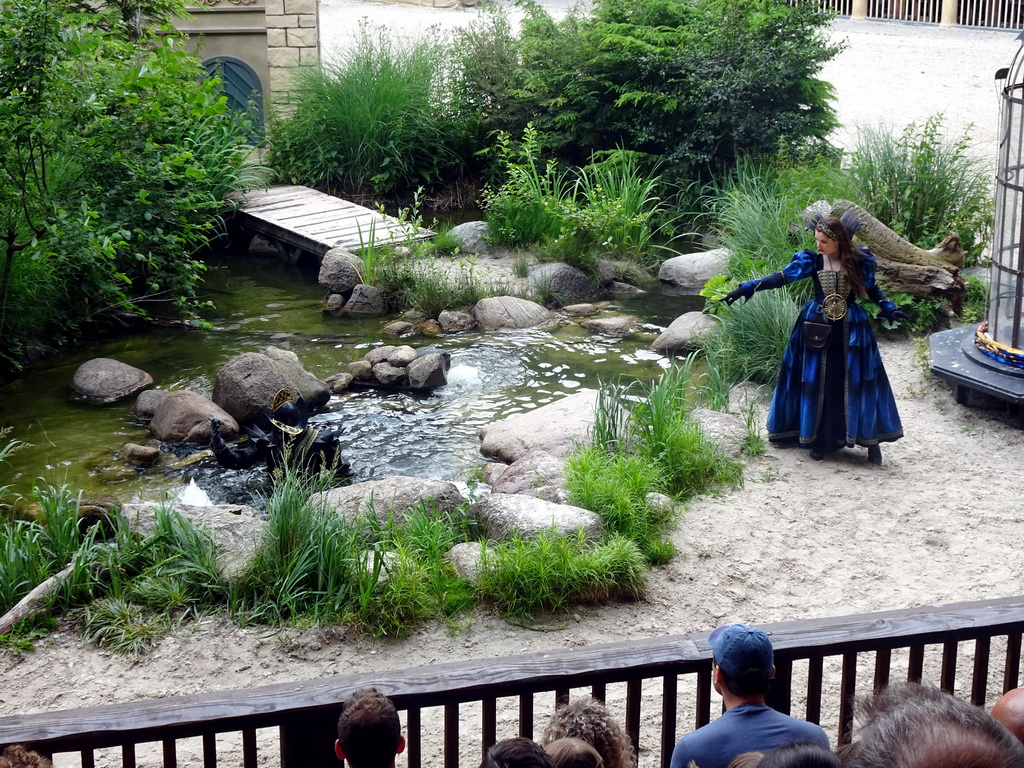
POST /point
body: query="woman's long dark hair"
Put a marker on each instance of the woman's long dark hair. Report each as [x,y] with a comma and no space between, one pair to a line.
[849,257]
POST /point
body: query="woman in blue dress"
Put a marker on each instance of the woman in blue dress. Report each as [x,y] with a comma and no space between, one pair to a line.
[832,391]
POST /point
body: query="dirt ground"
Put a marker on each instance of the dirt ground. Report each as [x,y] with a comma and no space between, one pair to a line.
[939,522]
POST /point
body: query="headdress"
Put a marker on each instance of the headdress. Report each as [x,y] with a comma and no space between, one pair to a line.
[815,215]
[288,412]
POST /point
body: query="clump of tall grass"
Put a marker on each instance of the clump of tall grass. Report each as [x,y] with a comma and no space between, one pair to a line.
[923,183]
[372,122]
[524,577]
[752,336]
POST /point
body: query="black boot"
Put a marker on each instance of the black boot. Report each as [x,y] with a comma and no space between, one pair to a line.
[817,454]
[875,455]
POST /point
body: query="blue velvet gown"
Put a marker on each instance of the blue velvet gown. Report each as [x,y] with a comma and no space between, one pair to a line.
[838,396]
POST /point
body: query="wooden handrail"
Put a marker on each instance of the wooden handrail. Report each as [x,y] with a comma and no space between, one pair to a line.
[305,711]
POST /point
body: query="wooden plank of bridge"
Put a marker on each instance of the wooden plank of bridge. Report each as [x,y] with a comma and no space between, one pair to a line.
[312,221]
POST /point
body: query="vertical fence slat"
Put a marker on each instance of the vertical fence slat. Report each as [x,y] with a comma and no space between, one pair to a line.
[847,688]
[561,696]
[170,752]
[451,735]
[634,696]
[883,666]
[814,674]
[915,664]
[669,711]
[88,758]
[979,682]
[1012,669]
[780,696]
[947,676]
[127,756]
[488,724]
[209,750]
[249,752]
[526,715]
[414,737]
[599,691]
[703,712]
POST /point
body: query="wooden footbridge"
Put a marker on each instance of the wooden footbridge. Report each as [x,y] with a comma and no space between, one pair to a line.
[302,220]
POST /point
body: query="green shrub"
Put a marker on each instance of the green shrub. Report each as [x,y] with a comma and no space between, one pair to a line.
[372,122]
[975,306]
[924,184]
[552,573]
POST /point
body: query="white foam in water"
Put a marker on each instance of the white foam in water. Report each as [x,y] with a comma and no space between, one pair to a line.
[193,495]
[463,377]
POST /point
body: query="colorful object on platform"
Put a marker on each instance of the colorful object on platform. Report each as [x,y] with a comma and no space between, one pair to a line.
[995,350]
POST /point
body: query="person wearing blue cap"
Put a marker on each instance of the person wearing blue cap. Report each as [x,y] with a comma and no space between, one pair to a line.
[743,665]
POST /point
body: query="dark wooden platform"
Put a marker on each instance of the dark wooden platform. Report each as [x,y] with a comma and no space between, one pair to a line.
[302,219]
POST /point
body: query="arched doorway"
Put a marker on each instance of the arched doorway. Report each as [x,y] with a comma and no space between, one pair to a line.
[242,88]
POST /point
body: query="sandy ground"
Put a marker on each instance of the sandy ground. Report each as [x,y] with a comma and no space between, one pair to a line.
[939,522]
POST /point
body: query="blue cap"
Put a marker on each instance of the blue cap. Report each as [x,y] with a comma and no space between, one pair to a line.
[739,647]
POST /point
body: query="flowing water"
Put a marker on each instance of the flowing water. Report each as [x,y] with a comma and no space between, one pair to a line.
[260,302]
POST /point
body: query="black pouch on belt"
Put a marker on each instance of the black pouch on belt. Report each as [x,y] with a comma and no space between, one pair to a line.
[816,333]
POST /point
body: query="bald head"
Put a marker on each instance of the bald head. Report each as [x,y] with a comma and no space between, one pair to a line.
[1009,711]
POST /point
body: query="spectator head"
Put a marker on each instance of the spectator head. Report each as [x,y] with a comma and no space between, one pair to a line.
[915,726]
[518,752]
[369,731]
[587,719]
[746,760]
[800,755]
[573,753]
[1009,711]
[746,658]
[16,756]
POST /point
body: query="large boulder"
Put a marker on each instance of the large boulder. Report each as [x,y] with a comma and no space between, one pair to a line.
[184,416]
[510,312]
[339,271]
[393,496]
[692,270]
[148,401]
[234,528]
[502,517]
[245,386]
[556,428]
[454,321]
[429,371]
[471,237]
[538,473]
[101,381]
[365,300]
[687,333]
[728,431]
[566,284]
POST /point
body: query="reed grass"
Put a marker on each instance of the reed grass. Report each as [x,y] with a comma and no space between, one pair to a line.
[371,122]
[523,578]
[924,183]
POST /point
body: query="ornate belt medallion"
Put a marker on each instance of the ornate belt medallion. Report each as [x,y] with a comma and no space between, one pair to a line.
[834,286]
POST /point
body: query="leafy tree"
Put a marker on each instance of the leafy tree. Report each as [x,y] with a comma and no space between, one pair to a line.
[114,160]
[696,84]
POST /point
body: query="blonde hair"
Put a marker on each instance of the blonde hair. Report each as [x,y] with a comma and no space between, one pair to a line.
[746,760]
[589,720]
[573,753]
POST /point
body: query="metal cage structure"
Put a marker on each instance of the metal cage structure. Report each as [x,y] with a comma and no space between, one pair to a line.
[1007,277]
[989,358]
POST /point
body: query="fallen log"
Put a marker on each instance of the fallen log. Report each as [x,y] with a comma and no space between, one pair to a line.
[32,603]
[887,245]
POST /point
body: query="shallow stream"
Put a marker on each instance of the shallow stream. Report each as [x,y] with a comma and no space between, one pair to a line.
[260,302]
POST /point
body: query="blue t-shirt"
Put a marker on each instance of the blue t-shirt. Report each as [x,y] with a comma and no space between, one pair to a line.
[744,728]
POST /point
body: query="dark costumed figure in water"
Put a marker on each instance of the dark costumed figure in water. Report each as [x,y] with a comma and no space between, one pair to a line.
[832,390]
[282,436]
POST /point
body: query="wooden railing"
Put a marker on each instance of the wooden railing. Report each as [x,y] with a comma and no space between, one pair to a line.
[662,689]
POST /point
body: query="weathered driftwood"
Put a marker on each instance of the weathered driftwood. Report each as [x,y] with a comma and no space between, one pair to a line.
[886,244]
[33,601]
